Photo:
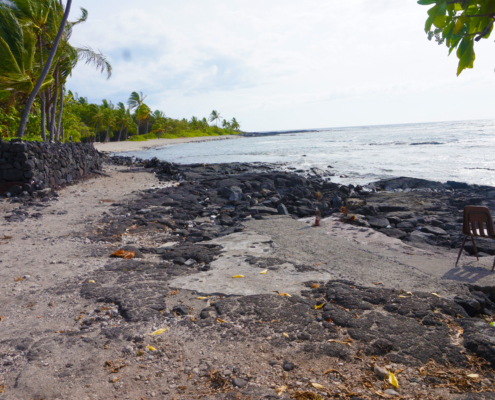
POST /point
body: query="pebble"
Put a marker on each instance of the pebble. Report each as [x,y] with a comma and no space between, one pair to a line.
[238,382]
[391,392]
[381,372]
[288,366]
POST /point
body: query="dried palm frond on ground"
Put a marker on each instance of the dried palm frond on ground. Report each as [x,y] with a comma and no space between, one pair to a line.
[307,396]
[473,379]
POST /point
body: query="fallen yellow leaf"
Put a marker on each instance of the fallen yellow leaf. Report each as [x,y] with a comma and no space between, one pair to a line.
[393,380]
[285,334]
[318,306]
[315,286]
[158,331]
[1,318]
[91,281]
[203,297]
[436,294]
[281,390]
[151,348]
[238,276]
[473,376]
[221,321]
[284,294]
[263,272]
[317,385]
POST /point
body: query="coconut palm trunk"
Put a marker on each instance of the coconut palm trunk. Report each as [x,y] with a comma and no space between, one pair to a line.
[61,111]
[96,131]
[53,125]
[120,133]
[49,105]
[107,137]
[44,73]
[42,99]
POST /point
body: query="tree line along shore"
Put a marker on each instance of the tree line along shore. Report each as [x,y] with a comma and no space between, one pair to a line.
[35,104]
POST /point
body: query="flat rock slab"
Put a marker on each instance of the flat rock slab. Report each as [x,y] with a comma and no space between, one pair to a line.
[248,254]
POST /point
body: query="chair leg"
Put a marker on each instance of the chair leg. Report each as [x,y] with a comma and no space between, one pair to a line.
[460,251]
[475,249]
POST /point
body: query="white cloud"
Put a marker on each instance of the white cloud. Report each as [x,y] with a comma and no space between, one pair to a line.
[282,64]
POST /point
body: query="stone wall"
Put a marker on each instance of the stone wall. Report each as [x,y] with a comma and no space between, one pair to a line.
[30,166]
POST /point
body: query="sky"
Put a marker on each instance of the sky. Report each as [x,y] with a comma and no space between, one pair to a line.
[281,64]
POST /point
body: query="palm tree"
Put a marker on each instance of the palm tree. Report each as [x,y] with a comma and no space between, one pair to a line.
[97,117]
[204,123]
[136,100]
[54,58]
[215,116]
[159,122]
[129,123]
[109,117]
[160,127]
[225,124]
[44,72]
[143,113]
[18,68]
[121,117]
[235,125]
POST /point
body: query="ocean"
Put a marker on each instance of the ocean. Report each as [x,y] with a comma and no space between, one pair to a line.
[461,151]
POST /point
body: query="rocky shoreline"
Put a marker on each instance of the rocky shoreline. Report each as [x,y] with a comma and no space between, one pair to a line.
[333,339]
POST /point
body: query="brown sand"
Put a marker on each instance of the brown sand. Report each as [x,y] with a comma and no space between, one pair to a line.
[50,256]
[117,147]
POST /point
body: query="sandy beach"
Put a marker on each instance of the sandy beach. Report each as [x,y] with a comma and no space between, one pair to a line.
[118,147]
[76,323]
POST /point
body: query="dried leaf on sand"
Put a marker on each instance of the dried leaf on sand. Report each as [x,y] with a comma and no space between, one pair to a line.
[217,381]
[307,396]
[124,254]
[281,390]
[115,367]
[159,331]
[393,380]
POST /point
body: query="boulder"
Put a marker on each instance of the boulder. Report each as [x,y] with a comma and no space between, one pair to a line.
[282,210]
[378,222]
[394,233]
[434,230]
[264,210]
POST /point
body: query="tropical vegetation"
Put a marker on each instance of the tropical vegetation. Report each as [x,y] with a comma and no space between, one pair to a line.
[36,59]
[459,24]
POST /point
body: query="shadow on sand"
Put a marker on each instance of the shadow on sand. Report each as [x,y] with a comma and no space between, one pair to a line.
[468,273]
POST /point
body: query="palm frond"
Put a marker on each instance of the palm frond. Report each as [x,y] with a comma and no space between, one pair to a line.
[97,59]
